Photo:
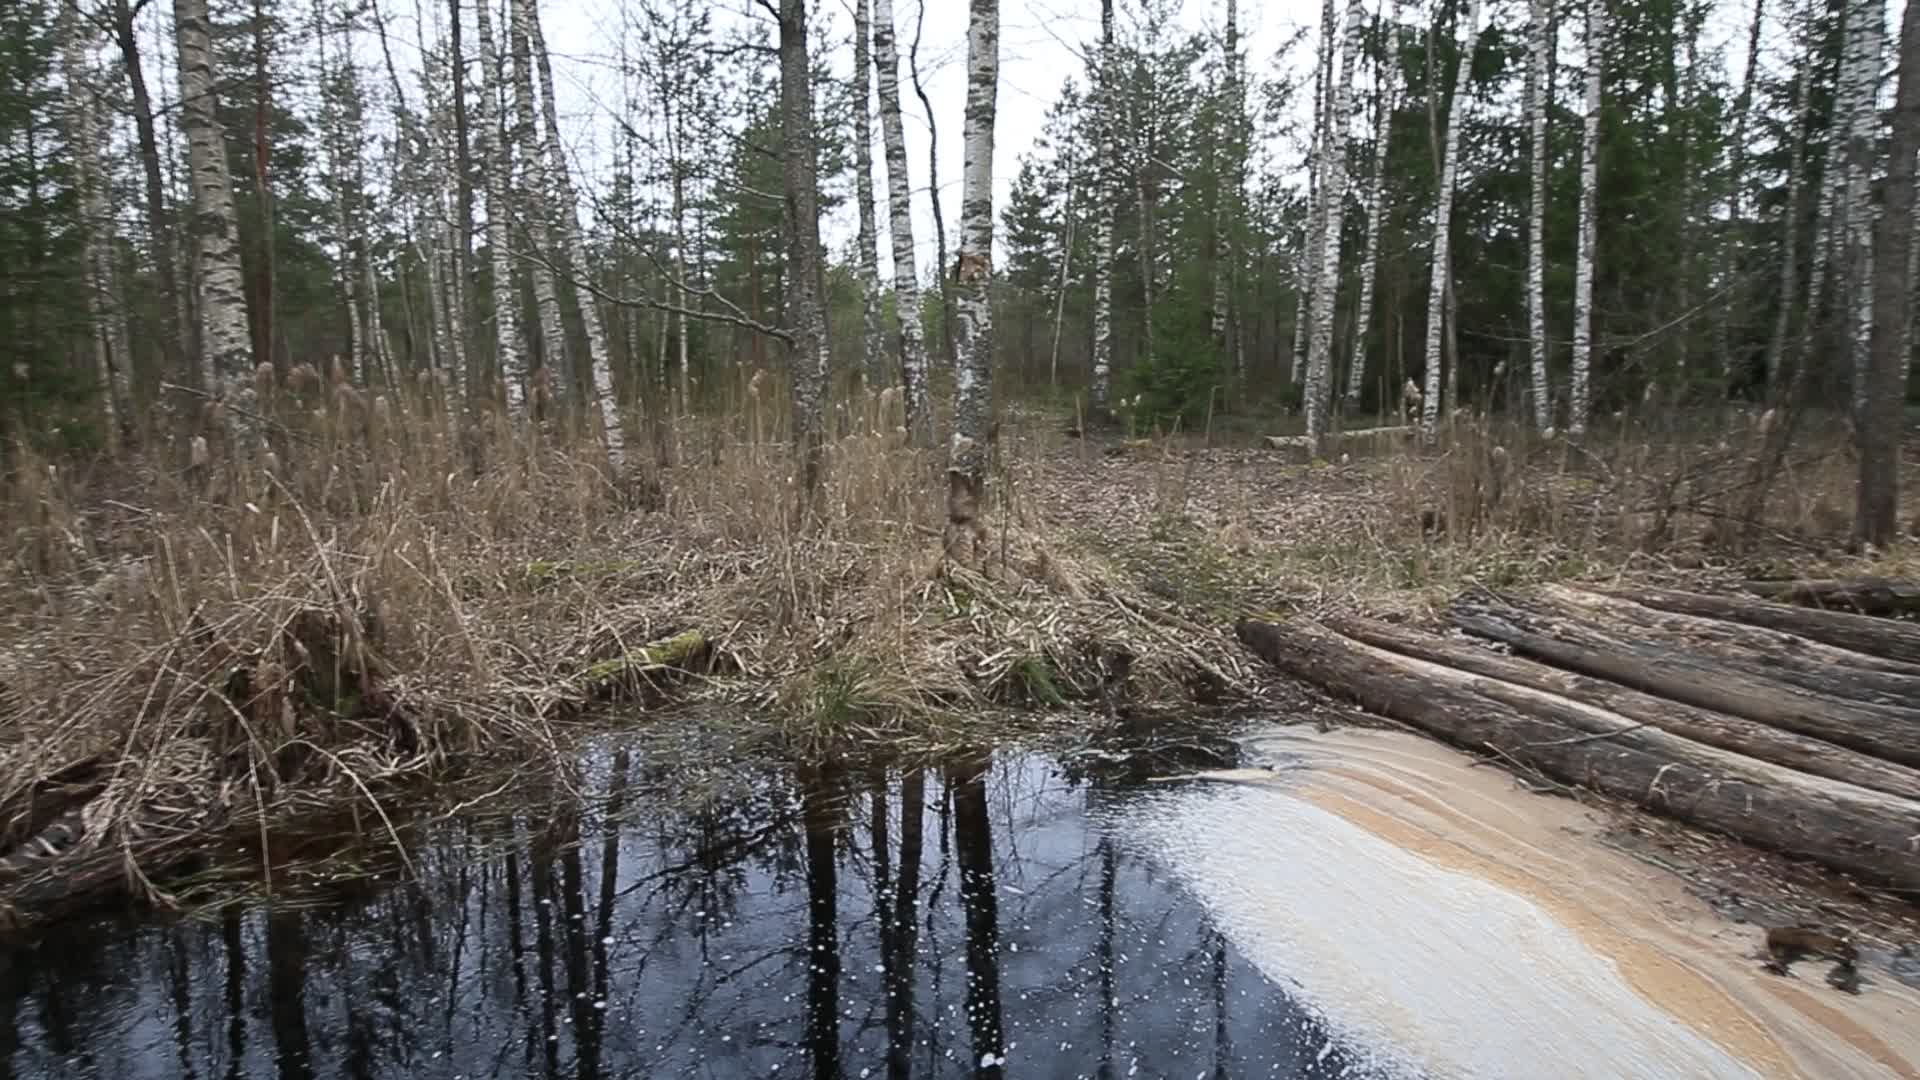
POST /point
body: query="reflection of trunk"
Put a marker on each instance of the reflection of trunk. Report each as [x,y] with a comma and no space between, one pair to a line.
[542,867]
[573,901]
[286,987]
[897,947]
[236,990]
[609,876]
[180,990]
[823,945]
[13,992]
[516,944]
[1108,1006]
[973,836]
[1222,1048]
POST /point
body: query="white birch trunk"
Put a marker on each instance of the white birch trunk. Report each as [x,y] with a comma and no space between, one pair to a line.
[1581,376]
[1106,165]
[222,306]
[906,282]
[572,255]
[1443,223]
[490,143]
[1317,158]
[1789,236]
[973,334]
[800,169]
[537,201]
[1229,159]
[1865,47]
[1538,63]
[869,254]
[1327,289]
[1388,104]
[86,136]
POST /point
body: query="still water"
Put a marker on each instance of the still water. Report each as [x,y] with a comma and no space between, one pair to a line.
[968,919]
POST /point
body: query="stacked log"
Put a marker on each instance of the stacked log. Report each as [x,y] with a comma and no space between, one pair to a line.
[1646,697]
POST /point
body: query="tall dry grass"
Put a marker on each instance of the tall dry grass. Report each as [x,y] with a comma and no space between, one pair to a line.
[199,644]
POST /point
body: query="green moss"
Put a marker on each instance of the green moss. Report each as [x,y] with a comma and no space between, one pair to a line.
[667,654]
[1034,676]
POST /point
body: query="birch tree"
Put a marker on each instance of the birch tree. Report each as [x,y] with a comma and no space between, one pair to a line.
[216,232]
[1577,394]
[1865,44]
[530,143]
[868,256]
[1387,102]
[1539,60]
[1106,165]
[973,373]
[1443,222]
[1307,275]
[800,172]
[490,140]
[1230,163]
[1327,288]
[1876,520]
[86,134]
[906,281]
[573,251]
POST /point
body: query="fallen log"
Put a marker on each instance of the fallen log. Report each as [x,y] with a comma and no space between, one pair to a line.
[1302,442]
[1866,596]
[1886,639]
[1659,671]
[1733,733]
[1773,654]
[1863,833]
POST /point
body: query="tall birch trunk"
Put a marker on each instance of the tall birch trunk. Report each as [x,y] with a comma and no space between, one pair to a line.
[1443,223]
[573,251]
[537,202]
[869,255]
[1790,232]
[944,276]
[973,334]
[906,280]
[490,139]
[86,135]
[166,262]
[1106,165]
[222,302]
[1865,45]
[1577,395]
[800,177]
[1317,157]
[1387,103]
[1538,63]
[1877,517]
[1229,161]
[1327,289]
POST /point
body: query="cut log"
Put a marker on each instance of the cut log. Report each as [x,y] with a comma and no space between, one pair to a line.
[1866,596]
[645,673]
[1737,734]
[1824,669]
[1664,673]
[1863,833]
[1301,442]
[1884,638]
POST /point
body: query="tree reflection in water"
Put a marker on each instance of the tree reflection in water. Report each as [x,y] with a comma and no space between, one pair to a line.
[786,923]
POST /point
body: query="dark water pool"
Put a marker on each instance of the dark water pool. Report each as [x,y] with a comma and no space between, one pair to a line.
[969,919]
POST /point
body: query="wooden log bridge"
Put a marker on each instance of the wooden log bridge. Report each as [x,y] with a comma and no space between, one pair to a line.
[1768,722]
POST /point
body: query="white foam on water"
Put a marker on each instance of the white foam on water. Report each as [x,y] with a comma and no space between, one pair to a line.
[1413,966]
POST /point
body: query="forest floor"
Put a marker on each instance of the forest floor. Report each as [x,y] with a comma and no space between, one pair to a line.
[192,660]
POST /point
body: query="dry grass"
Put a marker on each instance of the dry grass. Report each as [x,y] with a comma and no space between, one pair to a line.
[229,649]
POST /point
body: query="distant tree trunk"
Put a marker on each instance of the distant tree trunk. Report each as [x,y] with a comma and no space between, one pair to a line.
[537,199]
[1865,46]
[1327,289]
[1317,159]
[1577,397]
[1443,223]
[1229,160]
[1876,520]
[337,86]
[263,191]
[166,261]
[868,240]
[1387,104]
[216,231]
[1790,232]
[973,375]
[1736,189]
[573,252]
[510,357]
[906,281]
[944,274]
[1106,165]
[86,136]
[1540,60]
[800,174]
